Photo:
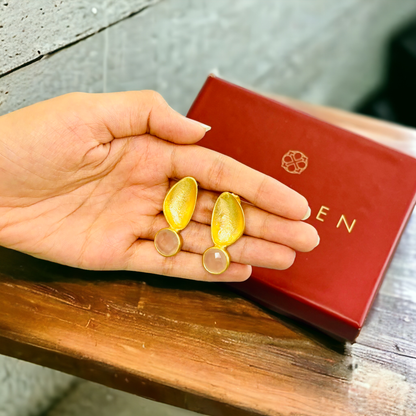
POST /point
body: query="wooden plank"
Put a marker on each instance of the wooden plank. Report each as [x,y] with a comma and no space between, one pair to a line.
[31,29]
[136,333]
[132,331]
[172,46]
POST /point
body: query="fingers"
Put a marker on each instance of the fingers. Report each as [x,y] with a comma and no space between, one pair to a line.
[145,258]
[218,172]
[247,250]
[297,235]
[133,113]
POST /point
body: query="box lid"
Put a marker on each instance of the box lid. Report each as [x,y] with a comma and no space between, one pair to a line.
[361,194]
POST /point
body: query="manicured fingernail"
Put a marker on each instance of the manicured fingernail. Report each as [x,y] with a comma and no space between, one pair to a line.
[205,126]
[308,214]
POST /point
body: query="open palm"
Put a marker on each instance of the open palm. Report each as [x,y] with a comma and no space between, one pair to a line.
[84,176]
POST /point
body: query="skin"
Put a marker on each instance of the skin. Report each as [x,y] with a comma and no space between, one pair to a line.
[84,176]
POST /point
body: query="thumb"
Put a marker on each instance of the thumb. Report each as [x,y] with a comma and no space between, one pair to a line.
[138,112]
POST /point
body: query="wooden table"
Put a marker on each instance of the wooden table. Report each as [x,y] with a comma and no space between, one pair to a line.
[202,347]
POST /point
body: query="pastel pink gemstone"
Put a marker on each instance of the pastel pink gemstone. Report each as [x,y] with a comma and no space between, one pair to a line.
[215,261]
[167,242]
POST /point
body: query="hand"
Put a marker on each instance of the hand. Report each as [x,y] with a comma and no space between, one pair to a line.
[83,178]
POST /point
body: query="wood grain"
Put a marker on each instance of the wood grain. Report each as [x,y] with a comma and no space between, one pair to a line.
[304,49]
[203,347]
[32,29]
[154,335]
[195,345]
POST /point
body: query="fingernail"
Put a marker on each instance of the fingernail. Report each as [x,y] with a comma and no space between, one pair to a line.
[319,240]
[308,214]
[205,126]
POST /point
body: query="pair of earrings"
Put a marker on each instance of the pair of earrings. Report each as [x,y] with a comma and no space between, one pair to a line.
[227,224]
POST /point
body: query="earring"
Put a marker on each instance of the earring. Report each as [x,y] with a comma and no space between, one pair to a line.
[227,226]
[178,208]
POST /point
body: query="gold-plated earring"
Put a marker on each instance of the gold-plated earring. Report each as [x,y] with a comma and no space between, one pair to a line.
[178,208]
[227,226]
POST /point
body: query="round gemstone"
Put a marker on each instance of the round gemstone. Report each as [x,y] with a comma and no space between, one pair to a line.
[167,242]
[215,260]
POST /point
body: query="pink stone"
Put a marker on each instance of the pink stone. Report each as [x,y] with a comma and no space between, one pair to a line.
[167,242]
[215,261]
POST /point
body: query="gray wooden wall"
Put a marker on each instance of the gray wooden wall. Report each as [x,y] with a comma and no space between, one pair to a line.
[323,51]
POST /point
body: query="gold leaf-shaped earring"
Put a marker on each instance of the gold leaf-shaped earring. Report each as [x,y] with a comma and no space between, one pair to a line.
[178,208]
[227,226]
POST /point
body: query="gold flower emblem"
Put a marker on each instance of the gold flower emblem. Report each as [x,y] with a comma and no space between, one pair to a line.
[294,162]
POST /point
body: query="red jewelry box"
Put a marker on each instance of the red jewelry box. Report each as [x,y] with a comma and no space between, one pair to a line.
[361,194]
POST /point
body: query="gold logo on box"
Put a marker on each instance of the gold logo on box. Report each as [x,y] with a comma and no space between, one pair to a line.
[294,162]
